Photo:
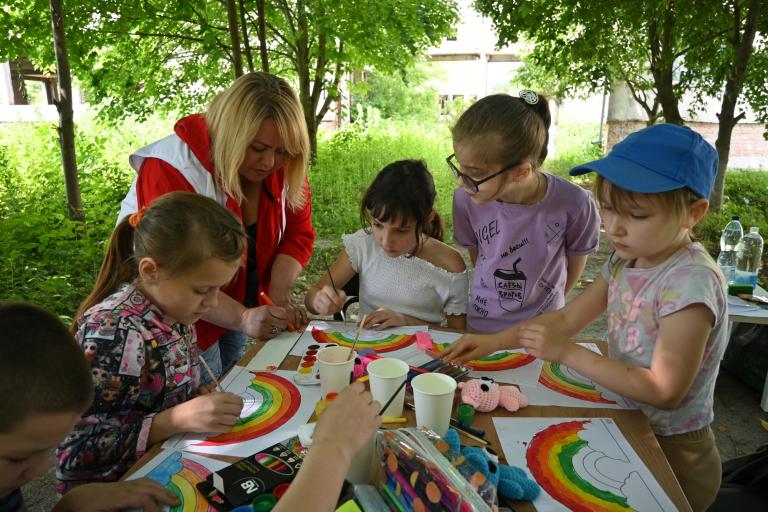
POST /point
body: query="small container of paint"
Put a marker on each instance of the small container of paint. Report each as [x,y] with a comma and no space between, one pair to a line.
[263,503]
[465,413]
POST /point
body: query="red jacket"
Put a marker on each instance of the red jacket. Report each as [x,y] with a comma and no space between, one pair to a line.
[295,238]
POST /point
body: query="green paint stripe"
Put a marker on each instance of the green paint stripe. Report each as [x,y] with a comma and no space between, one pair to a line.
[266,403]
[555,368]
[565,457]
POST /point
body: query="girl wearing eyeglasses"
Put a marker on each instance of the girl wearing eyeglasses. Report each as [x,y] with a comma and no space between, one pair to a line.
[408,276]
[528,232]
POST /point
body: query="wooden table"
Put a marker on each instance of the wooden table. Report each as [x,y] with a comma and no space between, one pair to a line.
[633,425]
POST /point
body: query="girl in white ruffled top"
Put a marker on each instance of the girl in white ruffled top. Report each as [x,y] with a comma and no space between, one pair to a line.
[408,276]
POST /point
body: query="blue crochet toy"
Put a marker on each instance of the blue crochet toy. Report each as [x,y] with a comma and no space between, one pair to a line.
[510,482]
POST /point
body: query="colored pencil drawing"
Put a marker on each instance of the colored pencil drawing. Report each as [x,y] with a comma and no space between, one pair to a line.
[398,342]
[512,366]
[563,386]
[583,464]
[274,407]
[180,473]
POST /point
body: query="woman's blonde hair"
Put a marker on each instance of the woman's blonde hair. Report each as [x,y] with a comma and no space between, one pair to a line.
[675,203]
[501,129]
[234,117]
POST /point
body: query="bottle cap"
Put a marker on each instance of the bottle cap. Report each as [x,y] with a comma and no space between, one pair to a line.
[754,229]
[263,503]
[735,217]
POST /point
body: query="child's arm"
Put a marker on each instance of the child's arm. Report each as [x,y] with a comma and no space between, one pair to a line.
[576,266]
[677,356]
[143,493]
[321,298]
[213,412]
[565,322]
[343,430]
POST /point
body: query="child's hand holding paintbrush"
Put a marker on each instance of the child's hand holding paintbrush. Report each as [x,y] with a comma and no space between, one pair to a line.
[324,298]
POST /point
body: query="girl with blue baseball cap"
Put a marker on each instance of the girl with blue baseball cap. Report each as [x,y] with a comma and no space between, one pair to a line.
[664,296]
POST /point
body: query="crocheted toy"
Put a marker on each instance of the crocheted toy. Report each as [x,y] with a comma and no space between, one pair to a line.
[361,364]
[485,395]
[510,482]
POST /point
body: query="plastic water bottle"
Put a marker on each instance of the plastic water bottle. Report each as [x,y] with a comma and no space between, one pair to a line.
[729,239]
[748,257]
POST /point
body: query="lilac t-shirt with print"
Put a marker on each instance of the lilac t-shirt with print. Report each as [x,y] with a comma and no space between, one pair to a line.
[522,261]
[638,298]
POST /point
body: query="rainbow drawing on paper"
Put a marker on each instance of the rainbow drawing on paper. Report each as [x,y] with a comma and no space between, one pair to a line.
[581,464]
[499,361]
[180,474]
[380,342]
[567,382]
[270,401]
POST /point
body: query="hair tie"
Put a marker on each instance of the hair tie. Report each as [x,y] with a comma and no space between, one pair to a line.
[135,218]
[529,96]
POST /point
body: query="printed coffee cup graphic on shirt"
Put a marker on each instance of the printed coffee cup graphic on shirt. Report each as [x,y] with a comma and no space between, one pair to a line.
[510,285]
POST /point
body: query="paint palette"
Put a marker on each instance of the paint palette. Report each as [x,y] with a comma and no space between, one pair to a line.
[307,373]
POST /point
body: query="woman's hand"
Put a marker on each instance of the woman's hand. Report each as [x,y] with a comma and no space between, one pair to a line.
[383,319]
[263,322]
[297,316]
[325,300]
[143,494]
[215,412]
[469,347]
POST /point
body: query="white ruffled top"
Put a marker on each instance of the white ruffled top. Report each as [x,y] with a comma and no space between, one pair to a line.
[408,285]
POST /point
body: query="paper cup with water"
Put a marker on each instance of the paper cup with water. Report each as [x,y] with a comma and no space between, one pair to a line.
[335,366]
[385,376]
[433,397]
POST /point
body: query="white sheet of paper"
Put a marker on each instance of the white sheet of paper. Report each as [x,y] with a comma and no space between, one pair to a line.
[274,351]
[527,374]
[274,408]
[560,385]
[179,473]
[585,460]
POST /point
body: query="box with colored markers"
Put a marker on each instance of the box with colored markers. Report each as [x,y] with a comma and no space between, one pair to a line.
[260,473]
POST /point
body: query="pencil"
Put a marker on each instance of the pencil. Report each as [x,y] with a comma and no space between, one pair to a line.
[210,373]
[412,368]
[269,302]
[392,419]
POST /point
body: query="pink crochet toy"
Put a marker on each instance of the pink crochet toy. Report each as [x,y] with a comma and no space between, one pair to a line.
[485,395]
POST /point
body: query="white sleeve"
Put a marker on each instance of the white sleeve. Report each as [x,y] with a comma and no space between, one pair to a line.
[456,300]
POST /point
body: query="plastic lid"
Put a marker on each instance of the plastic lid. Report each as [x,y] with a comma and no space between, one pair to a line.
[263,503]
[735,217]
[331,396]
[754,229]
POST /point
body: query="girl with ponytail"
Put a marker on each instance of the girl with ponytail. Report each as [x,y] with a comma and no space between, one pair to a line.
[528,232]
[163,271]
[408,276]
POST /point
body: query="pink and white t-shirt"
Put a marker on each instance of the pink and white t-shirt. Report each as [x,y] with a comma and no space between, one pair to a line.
[638,298]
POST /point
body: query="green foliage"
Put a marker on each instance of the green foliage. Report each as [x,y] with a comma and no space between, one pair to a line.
[46,257]
[399,96]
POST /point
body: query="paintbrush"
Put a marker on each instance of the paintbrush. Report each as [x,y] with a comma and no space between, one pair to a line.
[210,374]
[330,276]
[357,335]
[392,397]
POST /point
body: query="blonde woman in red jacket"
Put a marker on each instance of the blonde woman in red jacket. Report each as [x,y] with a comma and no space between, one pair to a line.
[249,152]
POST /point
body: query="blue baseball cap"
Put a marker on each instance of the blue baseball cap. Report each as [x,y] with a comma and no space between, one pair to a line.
[656,159]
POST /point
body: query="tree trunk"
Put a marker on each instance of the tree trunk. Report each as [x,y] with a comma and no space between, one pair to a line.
[662,64]
[66,126]
[262,35]
[246,42]
[234,37]
[742,46]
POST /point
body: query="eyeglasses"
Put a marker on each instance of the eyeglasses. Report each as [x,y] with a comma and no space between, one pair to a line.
[472,184]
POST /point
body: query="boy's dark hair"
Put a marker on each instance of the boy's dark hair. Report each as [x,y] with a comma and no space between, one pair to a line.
[42,368]
[403,190]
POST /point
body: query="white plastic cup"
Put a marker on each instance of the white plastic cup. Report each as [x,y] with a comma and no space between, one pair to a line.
[385,376]
[433,397]
[335,365]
